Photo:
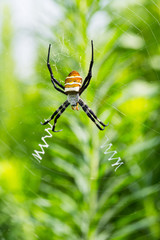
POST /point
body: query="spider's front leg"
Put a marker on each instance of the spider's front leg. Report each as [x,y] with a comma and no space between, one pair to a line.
[56,112]
[91,115]
[59,114]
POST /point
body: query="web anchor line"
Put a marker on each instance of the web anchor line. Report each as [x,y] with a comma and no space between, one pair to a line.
[118,162]
[37,154]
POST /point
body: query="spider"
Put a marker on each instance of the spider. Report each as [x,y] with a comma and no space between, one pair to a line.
[73,89]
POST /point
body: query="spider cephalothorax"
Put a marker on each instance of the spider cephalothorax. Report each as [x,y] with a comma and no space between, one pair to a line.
[73,89]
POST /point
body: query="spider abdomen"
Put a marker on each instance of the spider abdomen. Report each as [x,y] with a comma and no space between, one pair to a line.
[73,82]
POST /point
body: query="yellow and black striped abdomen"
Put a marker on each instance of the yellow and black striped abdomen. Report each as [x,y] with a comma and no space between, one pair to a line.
[73,82]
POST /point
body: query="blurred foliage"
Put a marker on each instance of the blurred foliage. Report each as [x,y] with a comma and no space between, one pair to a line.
[74,192]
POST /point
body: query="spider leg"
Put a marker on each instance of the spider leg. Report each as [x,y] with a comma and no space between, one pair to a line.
[91,115]
[59,114]
[94,115]
[55,113]
[57,87]
[53,80]
[89,75]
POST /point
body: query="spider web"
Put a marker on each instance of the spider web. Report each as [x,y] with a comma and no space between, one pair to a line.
[122,88]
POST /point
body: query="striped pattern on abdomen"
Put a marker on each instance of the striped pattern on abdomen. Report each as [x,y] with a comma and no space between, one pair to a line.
[73,82]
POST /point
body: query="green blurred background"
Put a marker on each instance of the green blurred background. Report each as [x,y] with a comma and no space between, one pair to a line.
[74,192]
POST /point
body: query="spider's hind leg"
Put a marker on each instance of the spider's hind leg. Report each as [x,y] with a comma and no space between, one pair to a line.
[89,75]
[50,70]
